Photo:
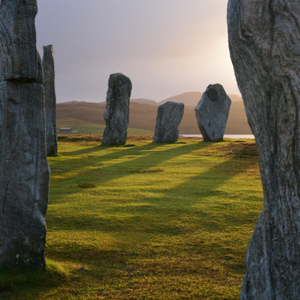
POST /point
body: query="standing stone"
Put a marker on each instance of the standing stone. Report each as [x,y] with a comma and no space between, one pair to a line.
[50,100]
[24,170]
[20,59]
[116,113]
[169,116]
[212,112]
[264,40]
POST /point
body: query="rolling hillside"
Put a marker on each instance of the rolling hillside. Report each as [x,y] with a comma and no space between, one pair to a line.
[143,101]
[189,99]
[143,113]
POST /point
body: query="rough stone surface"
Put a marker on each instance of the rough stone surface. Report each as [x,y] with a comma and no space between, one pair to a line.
[116,113]
[24,170]
[264,39]
[20,59]
[169,116]
[50,100]
[212,112]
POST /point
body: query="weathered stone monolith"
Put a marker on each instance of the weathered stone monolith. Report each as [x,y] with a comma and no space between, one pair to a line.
[24,170]
[264,40]
[212,112]
[169,116]
[20,59]
[50,99]
[116,113]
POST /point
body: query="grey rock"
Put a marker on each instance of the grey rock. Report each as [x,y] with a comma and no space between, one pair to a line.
[169,116]
[116,113]
[212,112]
[24,174]
[24,170]
[19,55]
[264,41]
[50,99]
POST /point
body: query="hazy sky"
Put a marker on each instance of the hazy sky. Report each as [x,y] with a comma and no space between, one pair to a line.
[166,47]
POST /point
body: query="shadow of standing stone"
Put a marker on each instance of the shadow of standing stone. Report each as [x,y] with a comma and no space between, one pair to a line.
[24,170]
[169,116]
[212,112]
[116,113]
[50,99]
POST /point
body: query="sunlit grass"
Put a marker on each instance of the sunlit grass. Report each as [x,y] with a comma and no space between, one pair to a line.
[152,221]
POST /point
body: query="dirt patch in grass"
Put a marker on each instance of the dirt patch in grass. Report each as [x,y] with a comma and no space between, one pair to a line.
[78,138]
[58,171]
[147,170]
[240,149]
[87,185]
[234,149]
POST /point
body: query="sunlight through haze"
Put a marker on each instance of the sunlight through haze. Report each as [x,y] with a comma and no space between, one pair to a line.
[166,47]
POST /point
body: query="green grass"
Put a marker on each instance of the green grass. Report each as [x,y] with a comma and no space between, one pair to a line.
[83,127]
[153,221]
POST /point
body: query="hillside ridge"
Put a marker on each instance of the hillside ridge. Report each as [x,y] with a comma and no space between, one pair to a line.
[143,116]
[188,99]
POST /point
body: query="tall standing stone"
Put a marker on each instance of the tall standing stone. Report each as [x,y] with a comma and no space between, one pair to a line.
[20,59]
[169,116]
[212,112]
[24,170]
[116,113]
[264,39]
[50,100]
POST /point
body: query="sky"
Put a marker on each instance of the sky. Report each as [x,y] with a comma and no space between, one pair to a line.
[166,47]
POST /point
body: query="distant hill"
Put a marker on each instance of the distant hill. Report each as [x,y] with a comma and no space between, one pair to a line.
[237,120]
[143,116]
[143,101]
[235,98]
[188,99]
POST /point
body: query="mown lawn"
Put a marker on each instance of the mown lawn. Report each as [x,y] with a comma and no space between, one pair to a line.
[150,221]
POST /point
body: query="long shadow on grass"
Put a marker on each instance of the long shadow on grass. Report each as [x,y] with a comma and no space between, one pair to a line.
[138,159]
[173,216]
[221,217]
[118,152]
[98,148]
[177,200]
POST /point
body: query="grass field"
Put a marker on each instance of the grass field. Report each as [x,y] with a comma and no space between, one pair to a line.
[83,127]
[150,221]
